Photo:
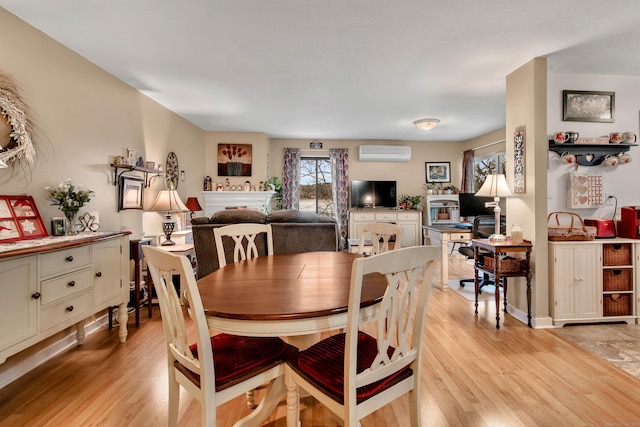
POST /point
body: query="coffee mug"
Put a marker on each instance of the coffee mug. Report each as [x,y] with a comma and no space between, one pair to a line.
[567,158]
[629,138]
[559,137]
[572,136]
[610,160]
[624,158]
[616,137]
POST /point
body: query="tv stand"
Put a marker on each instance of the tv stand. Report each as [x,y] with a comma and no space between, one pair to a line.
[410,221]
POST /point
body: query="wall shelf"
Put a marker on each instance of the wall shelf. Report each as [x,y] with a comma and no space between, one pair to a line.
[149,174]
[589,154]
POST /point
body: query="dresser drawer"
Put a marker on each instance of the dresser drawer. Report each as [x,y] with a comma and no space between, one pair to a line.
[408,216]
[73,309]
[386,217]
[63,286]
[63,261]
[364,217]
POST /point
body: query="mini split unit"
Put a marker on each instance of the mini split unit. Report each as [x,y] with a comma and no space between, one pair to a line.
[384,153]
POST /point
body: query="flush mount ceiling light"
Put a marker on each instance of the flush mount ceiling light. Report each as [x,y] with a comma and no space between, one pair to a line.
[426,124]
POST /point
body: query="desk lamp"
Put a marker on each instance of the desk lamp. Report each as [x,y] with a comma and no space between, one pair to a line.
[193,205]
[168,201]
[495,186]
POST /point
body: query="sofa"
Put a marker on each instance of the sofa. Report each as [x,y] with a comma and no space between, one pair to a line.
[293,232]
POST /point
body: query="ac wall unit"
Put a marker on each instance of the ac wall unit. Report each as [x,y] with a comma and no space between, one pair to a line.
[384,153]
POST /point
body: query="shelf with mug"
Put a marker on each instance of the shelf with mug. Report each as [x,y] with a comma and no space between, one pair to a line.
[149,174]
[589,154]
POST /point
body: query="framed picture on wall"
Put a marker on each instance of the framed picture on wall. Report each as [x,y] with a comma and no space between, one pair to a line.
[438,171]
[588,106]
[130,194]
[234,160]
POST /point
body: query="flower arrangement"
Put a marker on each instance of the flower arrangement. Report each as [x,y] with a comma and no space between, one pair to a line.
[234,153]
[69,197]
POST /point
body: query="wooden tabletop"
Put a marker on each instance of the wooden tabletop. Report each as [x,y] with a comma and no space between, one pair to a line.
[285,287]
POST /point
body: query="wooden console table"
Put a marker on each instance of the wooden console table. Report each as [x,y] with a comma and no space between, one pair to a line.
[500,268]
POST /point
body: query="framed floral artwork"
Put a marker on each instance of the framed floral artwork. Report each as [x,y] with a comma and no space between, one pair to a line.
[19,219]
[234,159]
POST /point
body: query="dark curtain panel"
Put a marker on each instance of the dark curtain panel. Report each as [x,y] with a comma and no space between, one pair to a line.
[466,186]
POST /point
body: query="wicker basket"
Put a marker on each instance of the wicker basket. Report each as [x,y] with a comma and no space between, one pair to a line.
[443,216]
[506,264]
[569,232]
[617,305]
[617,254]
[617,280]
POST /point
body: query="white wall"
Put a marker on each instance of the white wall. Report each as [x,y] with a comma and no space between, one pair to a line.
[619,180]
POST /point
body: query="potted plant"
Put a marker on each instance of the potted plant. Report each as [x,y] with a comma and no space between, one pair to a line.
[429,187]
[405,201]
[450,189]
[415,202]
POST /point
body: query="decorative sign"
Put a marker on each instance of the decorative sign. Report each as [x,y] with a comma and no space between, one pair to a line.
[584,190]
[519,182]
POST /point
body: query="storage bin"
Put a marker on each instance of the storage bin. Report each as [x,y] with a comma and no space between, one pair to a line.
[617,280]
[506,264]
[617,305]
[617,254]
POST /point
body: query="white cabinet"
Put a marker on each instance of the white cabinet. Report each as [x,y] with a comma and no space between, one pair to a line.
[588,285]
[409,221]
[442,209]
[48,287]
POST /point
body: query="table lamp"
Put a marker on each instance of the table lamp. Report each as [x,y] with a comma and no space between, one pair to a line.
[168,201]
[495,186]
[193,206]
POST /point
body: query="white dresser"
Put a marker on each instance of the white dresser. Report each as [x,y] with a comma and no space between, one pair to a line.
[49,284]
[410,221]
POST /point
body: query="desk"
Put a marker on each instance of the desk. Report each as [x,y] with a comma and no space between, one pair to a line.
[442,235]
[291,295]
[500,269]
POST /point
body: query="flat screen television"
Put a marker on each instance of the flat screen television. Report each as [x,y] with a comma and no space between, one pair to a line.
[374,194]
[470,205]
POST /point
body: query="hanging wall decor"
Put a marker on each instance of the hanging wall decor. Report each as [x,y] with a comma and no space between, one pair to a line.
[16,145]
[234,159]
[519,182]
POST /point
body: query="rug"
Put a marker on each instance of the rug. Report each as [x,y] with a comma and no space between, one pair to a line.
[467,292]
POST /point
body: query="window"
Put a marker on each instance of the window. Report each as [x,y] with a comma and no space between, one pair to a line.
[487,164]
[315,185]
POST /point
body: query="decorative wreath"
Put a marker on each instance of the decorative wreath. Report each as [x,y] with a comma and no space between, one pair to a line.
[19,147]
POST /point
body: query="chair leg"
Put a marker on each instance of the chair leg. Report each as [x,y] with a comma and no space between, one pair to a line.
[293,400]
[414,407]
[174,399]
[250,394]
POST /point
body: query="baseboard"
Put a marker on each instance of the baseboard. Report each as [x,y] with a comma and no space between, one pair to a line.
[537,323]
[30,358]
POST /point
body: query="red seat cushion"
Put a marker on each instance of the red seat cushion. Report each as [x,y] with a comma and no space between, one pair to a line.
[237,358]
[323,364]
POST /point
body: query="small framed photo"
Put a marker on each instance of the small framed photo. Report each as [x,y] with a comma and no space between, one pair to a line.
[130,194]
[588,106]
[438,171]
[19,219]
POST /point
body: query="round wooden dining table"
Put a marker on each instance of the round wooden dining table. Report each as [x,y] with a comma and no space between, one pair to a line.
[292,295]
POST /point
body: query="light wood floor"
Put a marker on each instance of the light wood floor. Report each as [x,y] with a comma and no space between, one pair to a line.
[474,375]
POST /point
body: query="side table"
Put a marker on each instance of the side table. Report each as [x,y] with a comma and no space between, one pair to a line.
[500,268]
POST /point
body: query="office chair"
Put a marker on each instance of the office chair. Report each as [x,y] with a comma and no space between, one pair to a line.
[483,227]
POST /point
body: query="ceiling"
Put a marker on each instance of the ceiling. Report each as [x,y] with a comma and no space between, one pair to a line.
[339,69]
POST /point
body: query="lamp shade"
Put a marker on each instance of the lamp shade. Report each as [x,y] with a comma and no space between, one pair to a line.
[495,186]
[168,201]
[192,204]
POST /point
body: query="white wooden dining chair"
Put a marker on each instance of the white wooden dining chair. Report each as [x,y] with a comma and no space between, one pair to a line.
[354,373]
[380,233]
[215,369]
[241,233]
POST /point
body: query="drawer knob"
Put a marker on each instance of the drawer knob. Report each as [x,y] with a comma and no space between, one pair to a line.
[70,308]
[69,258]
[35,295]
[72,283]
[99,274]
